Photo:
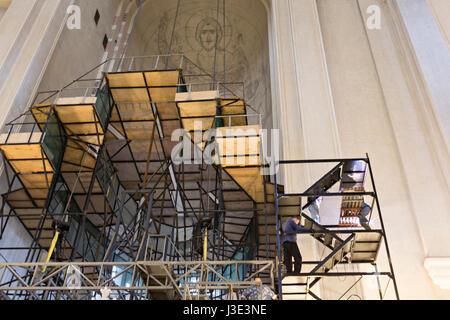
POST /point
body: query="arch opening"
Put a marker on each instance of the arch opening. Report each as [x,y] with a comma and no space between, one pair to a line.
[232,48]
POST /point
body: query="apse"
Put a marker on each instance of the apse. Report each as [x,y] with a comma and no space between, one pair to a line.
[227,40]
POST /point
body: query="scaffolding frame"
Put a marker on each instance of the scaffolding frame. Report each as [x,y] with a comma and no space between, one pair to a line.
[167,200]
[320,189]
[86,280]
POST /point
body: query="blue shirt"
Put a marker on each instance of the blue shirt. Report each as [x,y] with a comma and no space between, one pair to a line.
[290,228]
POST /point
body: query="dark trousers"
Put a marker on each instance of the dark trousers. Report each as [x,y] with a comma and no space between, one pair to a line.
[291,250]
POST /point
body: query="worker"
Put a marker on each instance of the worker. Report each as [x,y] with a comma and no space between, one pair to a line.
[290,229]
[258,291]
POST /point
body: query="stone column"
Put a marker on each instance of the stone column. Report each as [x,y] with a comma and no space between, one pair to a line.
[303,102]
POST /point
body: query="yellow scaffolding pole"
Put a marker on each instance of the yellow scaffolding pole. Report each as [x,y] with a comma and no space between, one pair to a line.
[51,249]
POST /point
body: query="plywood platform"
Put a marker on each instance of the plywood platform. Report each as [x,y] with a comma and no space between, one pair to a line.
[250,179]
[239,154]
[155,86]
[76,158]
[25,154]
[78,116]
[233,107]
[139,98]
[197,109]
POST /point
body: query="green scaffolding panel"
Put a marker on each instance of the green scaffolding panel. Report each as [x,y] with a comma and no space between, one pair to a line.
[104,106]
[54,141]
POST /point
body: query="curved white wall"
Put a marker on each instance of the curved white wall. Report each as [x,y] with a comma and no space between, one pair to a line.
[343,89]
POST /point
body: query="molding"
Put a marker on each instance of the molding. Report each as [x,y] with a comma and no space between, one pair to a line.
[298,84]
[439,271]
[431,113]
[336,136]
[436,141]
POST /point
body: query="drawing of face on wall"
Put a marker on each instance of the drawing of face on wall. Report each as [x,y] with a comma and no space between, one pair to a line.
[230,48]
[209,33]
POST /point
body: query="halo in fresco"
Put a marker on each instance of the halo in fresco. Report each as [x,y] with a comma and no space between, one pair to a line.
[202,27]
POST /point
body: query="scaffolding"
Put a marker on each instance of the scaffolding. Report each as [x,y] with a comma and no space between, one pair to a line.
[94,175]
[350,241]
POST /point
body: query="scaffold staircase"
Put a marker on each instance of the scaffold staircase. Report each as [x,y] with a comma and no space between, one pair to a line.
[353,246]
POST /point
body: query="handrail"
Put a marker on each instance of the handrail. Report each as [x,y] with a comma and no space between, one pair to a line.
[182,61]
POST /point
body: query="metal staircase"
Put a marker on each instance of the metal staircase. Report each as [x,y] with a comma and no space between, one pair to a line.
[346,244]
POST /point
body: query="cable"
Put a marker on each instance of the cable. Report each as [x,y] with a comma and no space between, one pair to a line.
[119,67]
[173,29]
[217,39]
